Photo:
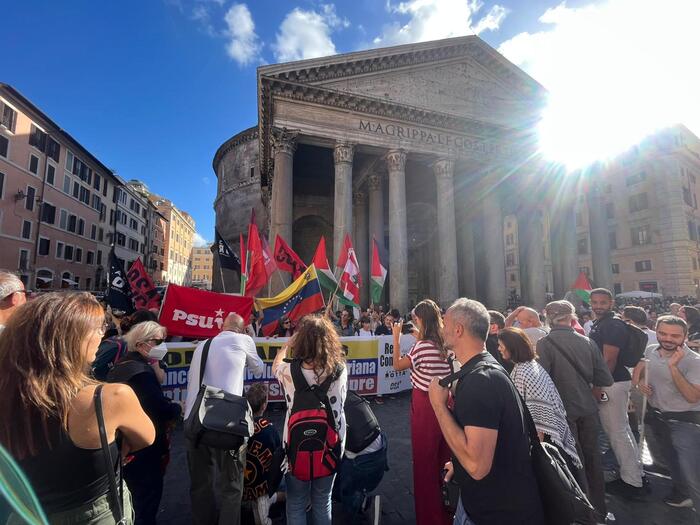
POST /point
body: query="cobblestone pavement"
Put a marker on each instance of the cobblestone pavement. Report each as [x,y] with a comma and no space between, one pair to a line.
[397,487]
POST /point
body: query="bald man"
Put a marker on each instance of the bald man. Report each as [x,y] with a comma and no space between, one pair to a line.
[528,320]
[229,353]
[12,296]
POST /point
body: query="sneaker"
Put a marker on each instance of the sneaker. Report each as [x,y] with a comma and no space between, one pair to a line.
[678,500]
[374,509]
[625,490]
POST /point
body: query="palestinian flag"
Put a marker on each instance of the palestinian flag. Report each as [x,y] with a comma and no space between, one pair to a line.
[350,279]
[582,288]
[323,269]
[377,276]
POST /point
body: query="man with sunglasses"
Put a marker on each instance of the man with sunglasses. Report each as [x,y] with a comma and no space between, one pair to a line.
[12,296]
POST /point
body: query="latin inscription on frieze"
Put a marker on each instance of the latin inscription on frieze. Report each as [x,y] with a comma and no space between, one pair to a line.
[447,140]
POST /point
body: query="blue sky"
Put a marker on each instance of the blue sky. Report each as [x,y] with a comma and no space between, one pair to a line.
[153,87]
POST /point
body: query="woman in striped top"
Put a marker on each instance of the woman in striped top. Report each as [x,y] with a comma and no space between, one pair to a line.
[427,359]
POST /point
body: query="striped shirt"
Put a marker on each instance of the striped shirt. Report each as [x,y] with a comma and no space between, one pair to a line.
[426,363]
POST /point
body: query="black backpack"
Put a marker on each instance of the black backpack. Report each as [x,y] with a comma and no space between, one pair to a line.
[109,353]
[362,425]
[637,341]
[313,437]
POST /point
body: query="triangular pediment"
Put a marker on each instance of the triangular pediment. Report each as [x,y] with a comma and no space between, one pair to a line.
[462,76]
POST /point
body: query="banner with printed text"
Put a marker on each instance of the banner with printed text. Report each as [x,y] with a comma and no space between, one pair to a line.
[369,361]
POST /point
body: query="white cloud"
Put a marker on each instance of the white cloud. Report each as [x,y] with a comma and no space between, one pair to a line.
[615,71]
[435,19]
[199,241]
[243,45]
[307,34]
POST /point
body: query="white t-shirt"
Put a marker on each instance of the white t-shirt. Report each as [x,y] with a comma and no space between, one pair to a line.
[364,333]
[229,354]
[587,327]
[651,337]
[534,334]
[336,394]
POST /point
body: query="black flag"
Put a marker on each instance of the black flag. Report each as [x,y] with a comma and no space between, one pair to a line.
[118,294]
[227,258]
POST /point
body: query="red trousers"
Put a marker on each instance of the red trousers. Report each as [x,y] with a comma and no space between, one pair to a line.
[430,453]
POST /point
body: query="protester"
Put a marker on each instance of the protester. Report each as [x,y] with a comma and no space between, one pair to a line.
[586,323]
[344,325]
[12,296]
[47,409]
[610,334]
[385,328]
[427,359]
[486,431]
[639,318]
[574,363]
[364,463]
[145,469]
[674,309]
[527,320]
[498,323]
[365,329]
[317,348]
[263,460]
[540,395]
[375,320]
[285,328]
[254,328]
[229,353]
[691,315]
[670,378]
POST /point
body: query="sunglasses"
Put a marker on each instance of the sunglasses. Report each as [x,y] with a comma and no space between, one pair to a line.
[156,341]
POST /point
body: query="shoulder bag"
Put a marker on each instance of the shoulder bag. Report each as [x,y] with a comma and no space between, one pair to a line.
[218,418]
[117,496]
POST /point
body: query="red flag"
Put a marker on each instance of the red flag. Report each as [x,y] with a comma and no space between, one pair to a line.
[287,259]
[343,255]
[189,312]
[350,280]
[143,291]
[257,274]
[270,265]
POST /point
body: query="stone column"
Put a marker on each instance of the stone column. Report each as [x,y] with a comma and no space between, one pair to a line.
[342,205]
[494,253]
[398,238]
[448,279]
[362,243]
[376,211]
[564,248]
[533,280]
[281,209]
[600,242]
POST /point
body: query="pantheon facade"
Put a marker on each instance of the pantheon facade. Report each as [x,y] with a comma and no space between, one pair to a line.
[425,148]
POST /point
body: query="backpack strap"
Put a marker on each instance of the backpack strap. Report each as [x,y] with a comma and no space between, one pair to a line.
[562,352]
[203,361]
[116,495]
[300,382]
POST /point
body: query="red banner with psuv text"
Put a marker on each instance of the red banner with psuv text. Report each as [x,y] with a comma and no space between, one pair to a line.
[189,312]
[143,291]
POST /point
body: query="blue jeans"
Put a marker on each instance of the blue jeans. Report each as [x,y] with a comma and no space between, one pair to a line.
[359,476]
[301,493]
[461,516]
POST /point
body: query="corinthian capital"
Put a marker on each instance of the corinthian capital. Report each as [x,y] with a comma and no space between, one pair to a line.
[284,141]
[396,160]
[343,152]
[444,168]
[374,181]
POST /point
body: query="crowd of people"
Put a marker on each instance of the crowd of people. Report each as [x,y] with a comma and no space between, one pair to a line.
[81,409]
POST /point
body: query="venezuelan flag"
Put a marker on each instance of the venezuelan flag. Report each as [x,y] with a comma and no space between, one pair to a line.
[300,298]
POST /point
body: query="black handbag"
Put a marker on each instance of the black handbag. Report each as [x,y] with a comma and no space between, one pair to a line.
[218,419]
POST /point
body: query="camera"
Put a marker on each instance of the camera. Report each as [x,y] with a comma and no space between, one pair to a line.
[407,328]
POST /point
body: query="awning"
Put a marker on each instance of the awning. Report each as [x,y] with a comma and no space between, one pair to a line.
[69,281]
[45,280]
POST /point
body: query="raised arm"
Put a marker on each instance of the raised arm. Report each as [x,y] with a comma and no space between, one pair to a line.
[399,362]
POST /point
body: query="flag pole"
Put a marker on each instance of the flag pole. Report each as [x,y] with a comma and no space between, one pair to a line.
[221,273]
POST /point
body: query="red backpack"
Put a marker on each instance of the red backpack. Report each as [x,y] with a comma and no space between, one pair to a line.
[313,447]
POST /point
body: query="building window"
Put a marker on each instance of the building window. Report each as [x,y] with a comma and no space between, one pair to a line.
[23,259]
[26,230]
[68,252]
[636,178]
[31,195]
[618,288]
[72,223]
[76,189]
[692,231]
[582,246]
[4,145]
[638,202]
[694,262]
[121,239]
[66,184]
[50,174]
[615,268]
[612,239]
[640,235]
[2,183]
[8,118]
[53,149]
[133,244]
[610,210]
[687,196]
[44,246]
[81,227]
[96,182]
[63,221]
[59,250]
[90,258]
[48,213]
[78,254]
[93,231]
[642,266]
[99,256]
[649,286]
[34,164]
[510,259]
[84,195]
[37,138]
[100,235]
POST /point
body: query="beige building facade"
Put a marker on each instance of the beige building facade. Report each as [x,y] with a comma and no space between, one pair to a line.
[178,241]
[202,267]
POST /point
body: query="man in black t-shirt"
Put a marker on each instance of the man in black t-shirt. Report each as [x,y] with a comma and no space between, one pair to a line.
[486,432]
[610,334]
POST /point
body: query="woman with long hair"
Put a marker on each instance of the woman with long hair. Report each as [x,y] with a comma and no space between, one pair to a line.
[48,420]
[316,346]
[539,392]
[427,359]
[145,469]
